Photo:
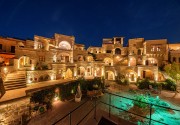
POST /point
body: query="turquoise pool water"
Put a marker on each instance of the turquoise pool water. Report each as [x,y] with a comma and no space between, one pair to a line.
[159,114]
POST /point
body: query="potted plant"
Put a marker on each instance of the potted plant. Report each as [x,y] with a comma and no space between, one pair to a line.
[78,94]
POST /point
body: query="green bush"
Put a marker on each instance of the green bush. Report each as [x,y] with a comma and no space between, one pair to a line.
[141,98]
[143,84]
[169,85]
[88,84]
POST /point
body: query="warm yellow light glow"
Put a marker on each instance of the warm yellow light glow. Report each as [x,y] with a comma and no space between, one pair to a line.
[56,98]
[32,67]
[29,81]
[5,70]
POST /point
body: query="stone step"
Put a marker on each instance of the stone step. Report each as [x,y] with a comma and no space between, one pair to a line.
[14,82]
[7,88]
[14,79]
[15,75]
[17,84]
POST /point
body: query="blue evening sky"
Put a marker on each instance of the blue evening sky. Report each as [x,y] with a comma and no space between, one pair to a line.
[91,20]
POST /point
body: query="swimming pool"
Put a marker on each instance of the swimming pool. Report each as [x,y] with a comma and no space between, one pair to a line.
[163,115]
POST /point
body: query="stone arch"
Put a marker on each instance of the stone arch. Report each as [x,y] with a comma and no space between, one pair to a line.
[117,51]
[131,75]
[46,77]
[81,71]
[41,78]
[24,61]
[89,58]
[108,61]
[64,45]
[69,74]
[110,75]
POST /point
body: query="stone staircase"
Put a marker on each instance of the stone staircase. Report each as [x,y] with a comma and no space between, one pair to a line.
[15,80]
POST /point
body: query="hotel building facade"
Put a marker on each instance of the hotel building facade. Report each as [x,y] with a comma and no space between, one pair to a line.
[43,59]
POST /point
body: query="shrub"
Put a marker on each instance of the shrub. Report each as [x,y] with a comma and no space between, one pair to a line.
[120,78]
[141,98]
[144,84]
[169,85]
[126,82]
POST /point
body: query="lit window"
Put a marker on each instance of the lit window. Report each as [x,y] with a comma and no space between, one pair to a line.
[158,49]
[42,58]
[152,49]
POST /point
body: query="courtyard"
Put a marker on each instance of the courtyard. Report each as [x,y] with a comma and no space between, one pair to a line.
[61,108]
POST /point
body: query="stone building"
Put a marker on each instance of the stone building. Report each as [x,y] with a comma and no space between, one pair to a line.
[174,52]
[61,57]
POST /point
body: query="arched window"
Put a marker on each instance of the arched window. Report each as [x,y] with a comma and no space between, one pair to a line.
[64,45]
[117,51]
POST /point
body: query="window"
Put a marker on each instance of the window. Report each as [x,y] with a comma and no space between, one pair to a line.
[42,58]
[174,59]
[152,49]
[88,70]
[156,47]
[179,59]
[12,49]
[108,51]
[139,52]
[117,51]
[1,46]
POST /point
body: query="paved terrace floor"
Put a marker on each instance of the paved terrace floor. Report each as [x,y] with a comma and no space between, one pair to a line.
[19,93]
[60,109]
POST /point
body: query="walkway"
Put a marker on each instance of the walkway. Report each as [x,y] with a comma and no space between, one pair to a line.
[19,93]
[59,110]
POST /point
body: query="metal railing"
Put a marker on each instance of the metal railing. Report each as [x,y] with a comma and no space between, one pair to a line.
[109,111]
[70,114]
[150,105]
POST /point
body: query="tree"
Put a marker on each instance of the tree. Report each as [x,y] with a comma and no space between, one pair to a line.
[173,70]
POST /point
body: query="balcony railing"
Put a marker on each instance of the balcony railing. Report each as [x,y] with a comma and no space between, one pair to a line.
[118,108]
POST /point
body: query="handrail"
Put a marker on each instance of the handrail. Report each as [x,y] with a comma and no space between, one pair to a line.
[150,119]
[132,112]
[70,112]
[85,115]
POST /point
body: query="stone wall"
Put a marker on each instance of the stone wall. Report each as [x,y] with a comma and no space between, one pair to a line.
[11,112]
[40,75]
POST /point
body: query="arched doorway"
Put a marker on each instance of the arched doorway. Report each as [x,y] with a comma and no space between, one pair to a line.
[68,74]
[131,75]
[81,71]
[109,75]
[117,51]
[147,74]
[24,61]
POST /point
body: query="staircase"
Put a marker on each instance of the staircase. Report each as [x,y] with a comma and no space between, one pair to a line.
[15,80]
